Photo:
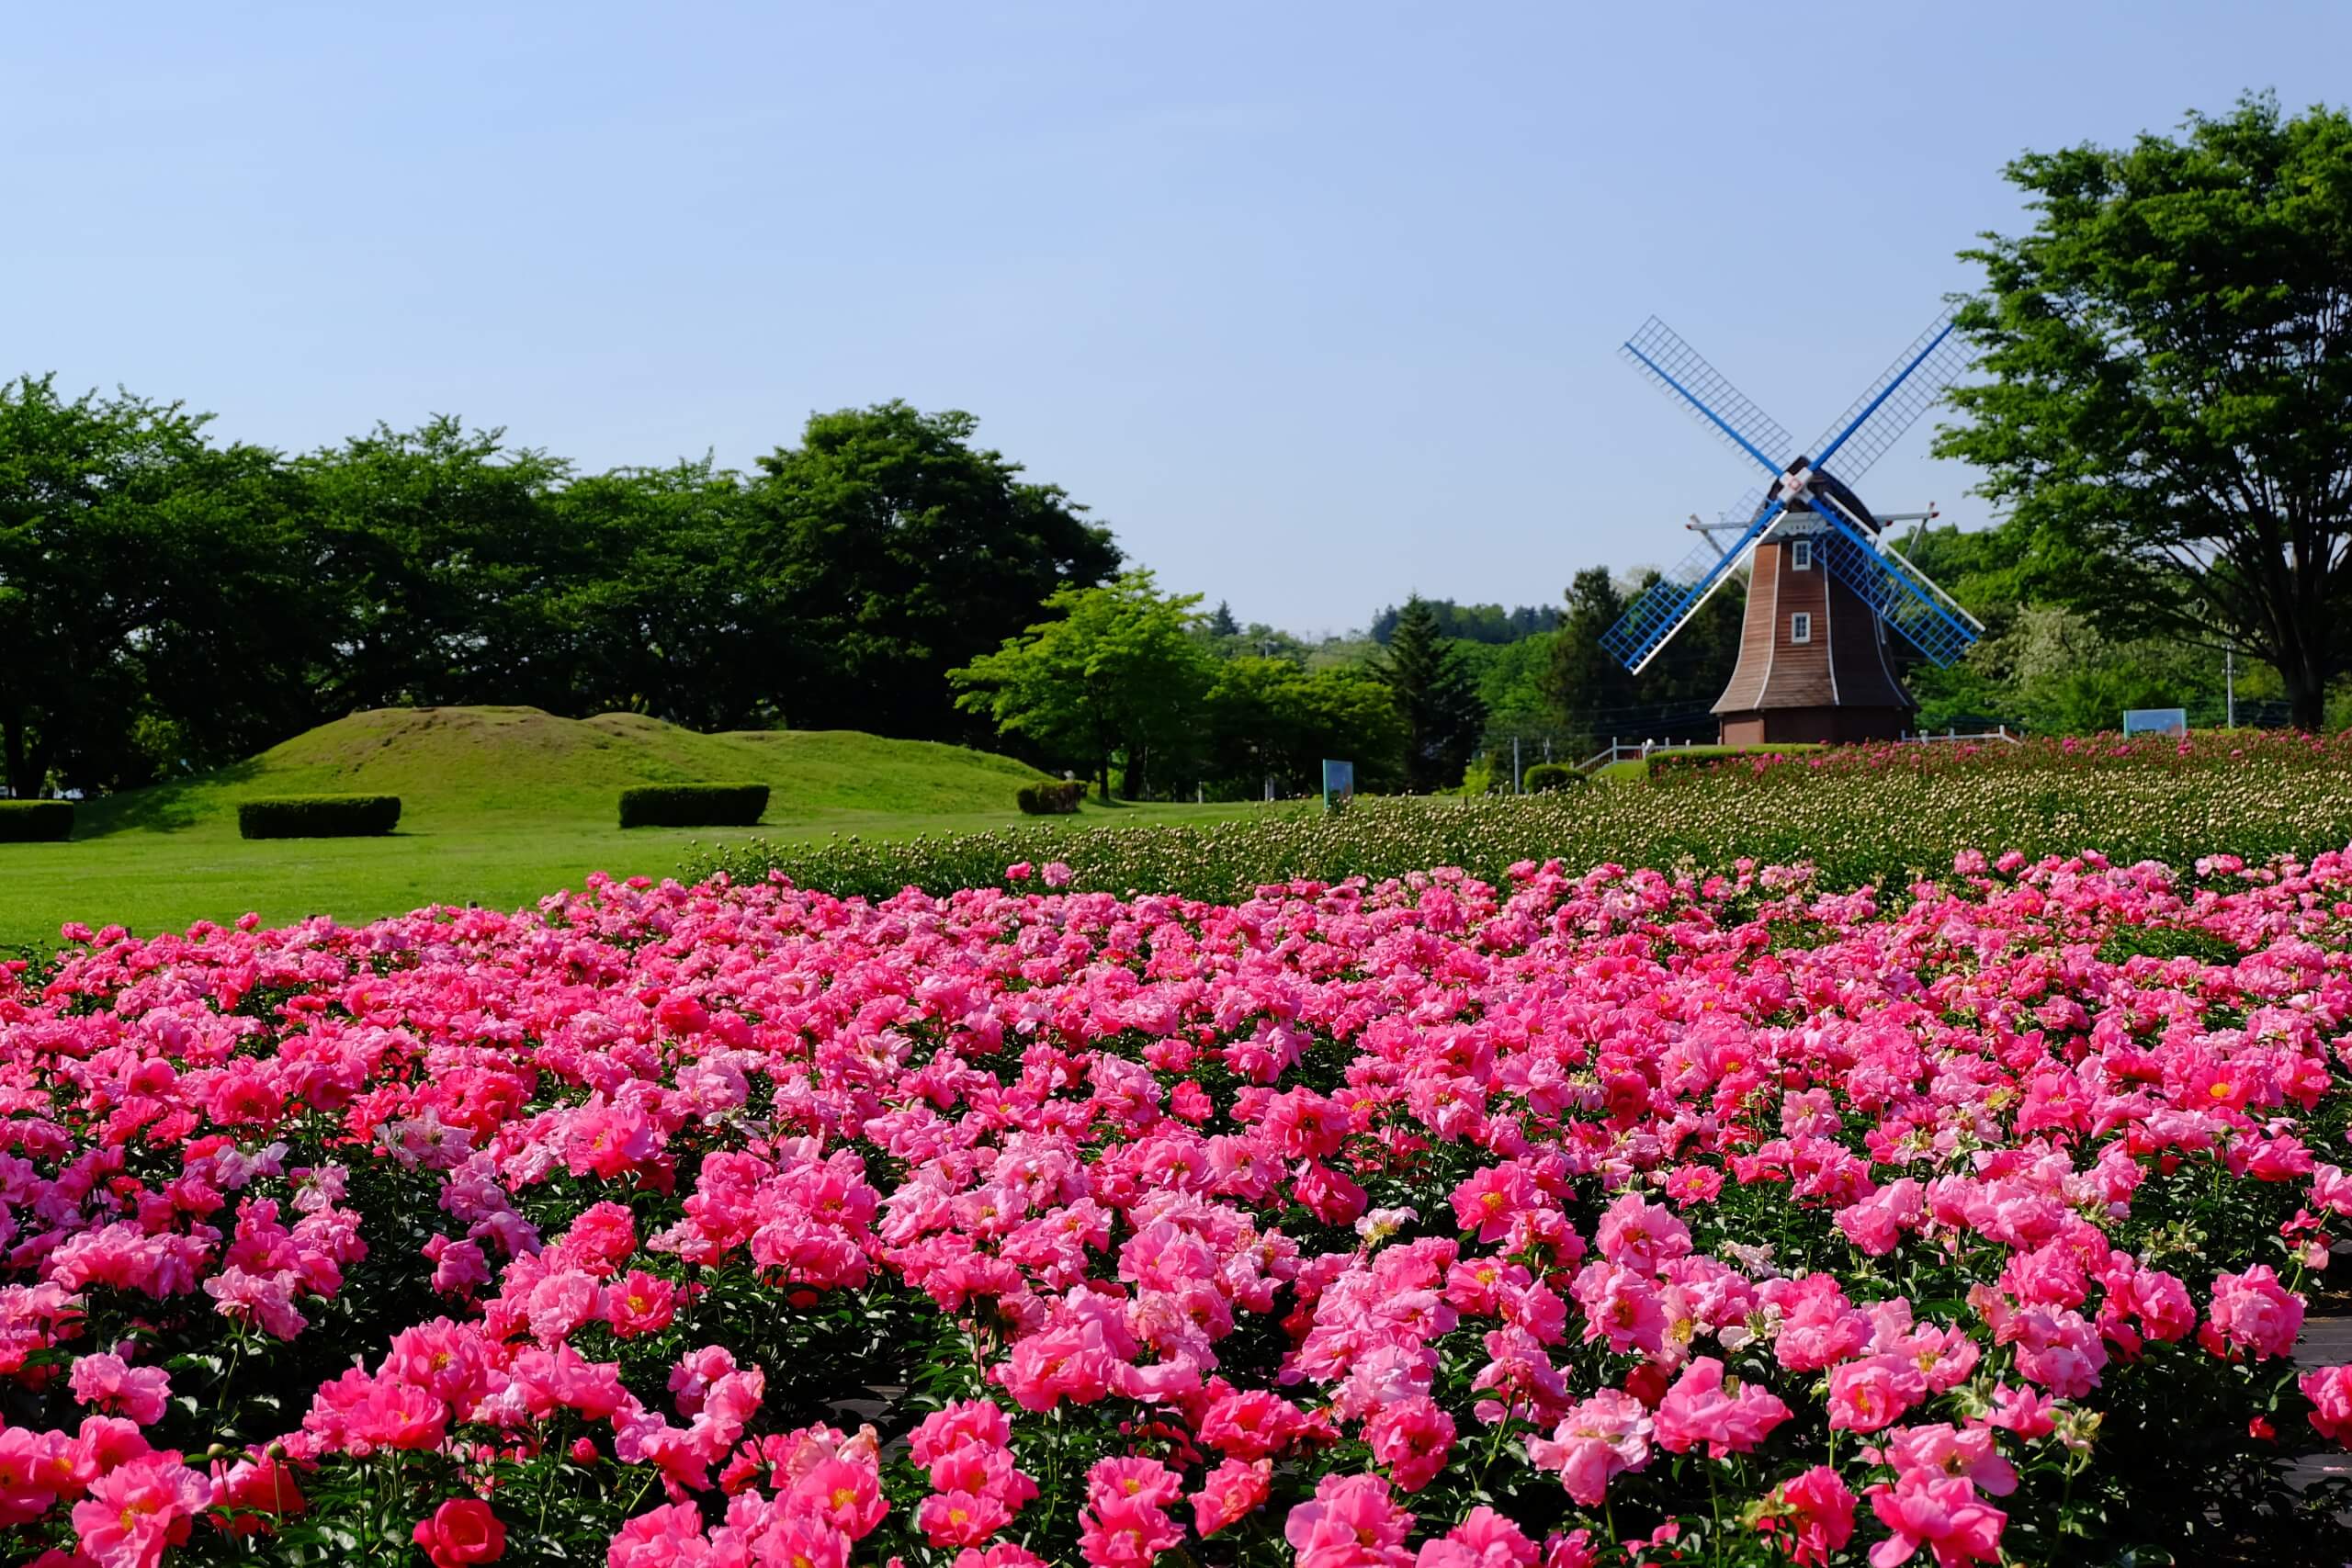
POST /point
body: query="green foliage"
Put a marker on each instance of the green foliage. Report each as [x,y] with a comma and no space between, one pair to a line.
[1267,719]
[1058,799]
[2165,417]
[1863,816]
[693,805]
[144,573]
[318,815]
[1545,777]
[904,552]
[1487,624]
[1712,759]
[2165,941]
[35,821]
[1437,698]
[1596,698]
[1115,672]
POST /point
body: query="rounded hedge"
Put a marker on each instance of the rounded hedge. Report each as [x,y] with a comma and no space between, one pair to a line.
[1551,776]
[693,805]
[35,821]
[1060,799]
[318,815]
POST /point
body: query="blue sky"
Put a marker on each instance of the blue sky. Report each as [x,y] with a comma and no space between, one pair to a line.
[1315,304]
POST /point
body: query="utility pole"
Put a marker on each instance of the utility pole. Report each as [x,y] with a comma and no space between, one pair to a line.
[2230,685]
[1515,788]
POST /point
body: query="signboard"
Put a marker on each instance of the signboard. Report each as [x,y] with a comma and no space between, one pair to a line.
[2155,721]
[1338,783]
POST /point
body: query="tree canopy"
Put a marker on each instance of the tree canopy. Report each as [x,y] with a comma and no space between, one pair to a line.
[907,551]
[2168,418]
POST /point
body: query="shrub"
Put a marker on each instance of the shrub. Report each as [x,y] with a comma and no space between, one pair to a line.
[1550,775]
[693,805]
[318,815]
[35,821]
[1856,823]
[1056,799]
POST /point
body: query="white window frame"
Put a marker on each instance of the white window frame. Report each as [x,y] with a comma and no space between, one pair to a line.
[1801,626]
[1801,554]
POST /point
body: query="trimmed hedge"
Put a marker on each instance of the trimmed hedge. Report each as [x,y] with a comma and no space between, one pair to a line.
[1551,776]
[1058,799]
[318,815]
[35,821]
[693,805]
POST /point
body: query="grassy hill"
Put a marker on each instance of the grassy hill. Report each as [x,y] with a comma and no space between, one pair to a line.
[458,766]
[500,806]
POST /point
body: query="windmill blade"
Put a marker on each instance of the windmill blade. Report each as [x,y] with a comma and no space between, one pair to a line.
[1894,402]
[1668,604]
[1904,597]
[1674,365]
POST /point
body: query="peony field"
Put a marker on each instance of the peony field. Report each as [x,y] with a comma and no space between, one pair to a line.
[1595,1218]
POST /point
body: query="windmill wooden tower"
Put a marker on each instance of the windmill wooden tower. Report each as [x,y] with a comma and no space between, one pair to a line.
[1826,583]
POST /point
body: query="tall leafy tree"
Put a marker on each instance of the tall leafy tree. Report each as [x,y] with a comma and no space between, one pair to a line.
[448,558]
[903,551]
[1268,719]
[667,615]
[152,610]
[1436,697]
[2168,416]
[1115,674]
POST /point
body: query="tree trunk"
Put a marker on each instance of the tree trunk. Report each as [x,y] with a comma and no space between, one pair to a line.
[18,765]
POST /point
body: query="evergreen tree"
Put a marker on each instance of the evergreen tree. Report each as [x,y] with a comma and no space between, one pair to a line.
[1436,695]
[1221,623]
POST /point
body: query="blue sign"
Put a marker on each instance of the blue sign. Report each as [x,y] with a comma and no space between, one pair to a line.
[2155,721]
[1338,782]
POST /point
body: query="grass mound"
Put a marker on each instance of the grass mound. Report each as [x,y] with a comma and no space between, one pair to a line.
[460,766]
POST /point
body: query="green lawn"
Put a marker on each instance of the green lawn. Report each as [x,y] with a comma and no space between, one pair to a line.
[500,806]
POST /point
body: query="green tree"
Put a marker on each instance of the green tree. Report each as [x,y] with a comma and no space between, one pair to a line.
[2169,413]
[1269,719]
[155,608]
[448,560]
[1587,686]
[666,615]
[1117,674]
[1435,696]
[902,551]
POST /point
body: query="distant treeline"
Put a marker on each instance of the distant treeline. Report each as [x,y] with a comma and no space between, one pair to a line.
[170,603]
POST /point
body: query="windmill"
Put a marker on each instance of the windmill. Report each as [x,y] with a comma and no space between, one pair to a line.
[1827,580]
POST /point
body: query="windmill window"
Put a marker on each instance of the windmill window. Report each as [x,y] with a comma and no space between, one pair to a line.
[1801,626]
[1801,554]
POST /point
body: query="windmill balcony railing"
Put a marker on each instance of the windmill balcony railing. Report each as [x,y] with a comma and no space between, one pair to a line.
[1998,732]
[1633,750]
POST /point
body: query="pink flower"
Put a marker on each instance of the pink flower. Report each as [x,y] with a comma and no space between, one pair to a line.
[1412,1437]
[1698,1408]
[1349,1522]
[1484,1538]
[960,1518]
[1145,1482]
[1868,1394]
[1811,1516]
[1125,1534]
[2252,1314]
[138,1392]
[1230,1493]
[1940,1449]
[137,1509]
[2330,1391]
[1603,1436]
[1940,1512]
[461,1531]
